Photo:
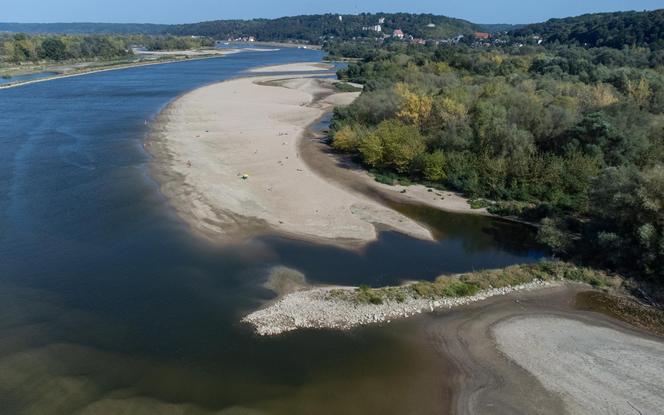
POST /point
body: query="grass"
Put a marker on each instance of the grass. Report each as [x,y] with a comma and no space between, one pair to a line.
[470,284]
[479,203]
[623,308]
[346,87]
[390,178]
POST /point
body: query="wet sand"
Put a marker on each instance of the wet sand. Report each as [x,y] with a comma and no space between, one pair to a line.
[341,169]
[501,366]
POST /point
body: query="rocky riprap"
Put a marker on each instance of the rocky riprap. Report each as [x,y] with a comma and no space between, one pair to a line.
[319,308]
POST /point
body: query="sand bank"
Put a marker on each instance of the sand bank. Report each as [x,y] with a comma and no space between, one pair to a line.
[324,308]
[495,345]
[228,158]
[595,370]
[293,67]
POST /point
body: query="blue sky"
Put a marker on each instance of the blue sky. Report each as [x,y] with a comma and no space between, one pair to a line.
[179,11]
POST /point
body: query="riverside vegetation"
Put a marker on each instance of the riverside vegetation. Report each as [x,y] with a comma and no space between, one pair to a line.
[470,284]
[344,308]
[21,48]
[569,136]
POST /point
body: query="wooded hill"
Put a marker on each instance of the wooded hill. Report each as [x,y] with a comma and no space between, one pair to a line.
[314,28]
[614,30]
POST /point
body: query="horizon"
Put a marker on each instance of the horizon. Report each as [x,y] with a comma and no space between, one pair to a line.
[479,12]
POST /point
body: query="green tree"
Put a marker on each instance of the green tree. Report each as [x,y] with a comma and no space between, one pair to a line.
[53,49]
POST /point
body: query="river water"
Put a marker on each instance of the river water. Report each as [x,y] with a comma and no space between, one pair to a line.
[109,305]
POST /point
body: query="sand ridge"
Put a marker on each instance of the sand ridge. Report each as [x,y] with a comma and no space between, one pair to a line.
[227,157]
[293,67]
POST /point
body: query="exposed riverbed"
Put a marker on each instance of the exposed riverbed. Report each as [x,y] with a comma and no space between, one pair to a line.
[110,304]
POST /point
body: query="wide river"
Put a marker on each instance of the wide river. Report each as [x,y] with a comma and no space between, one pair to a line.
[110,305]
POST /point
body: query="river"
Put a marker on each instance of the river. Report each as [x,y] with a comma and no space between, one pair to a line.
[108,303]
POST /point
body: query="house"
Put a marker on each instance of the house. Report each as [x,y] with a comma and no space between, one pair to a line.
[481,35]
[376,28]
[398,33]
[381,20]
[431,25]
[418,41]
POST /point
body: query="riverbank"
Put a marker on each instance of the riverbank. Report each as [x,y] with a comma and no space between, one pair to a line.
[86,68]
[330,308]
[237,160]
[228,158]
[344,308]
[294,67]
[513,343]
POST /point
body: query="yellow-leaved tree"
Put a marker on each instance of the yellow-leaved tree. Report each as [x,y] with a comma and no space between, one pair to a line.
[416,108]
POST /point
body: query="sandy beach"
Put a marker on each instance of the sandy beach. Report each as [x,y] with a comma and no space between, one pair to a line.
[597,370]
[236,160]
[538,345]
[228,158]
[293,67]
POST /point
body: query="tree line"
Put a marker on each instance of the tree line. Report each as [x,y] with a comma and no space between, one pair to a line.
[317,28]
[20,48]
[602,29]
[567,136]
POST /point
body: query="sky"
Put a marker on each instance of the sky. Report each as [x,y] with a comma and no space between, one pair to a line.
[179,11]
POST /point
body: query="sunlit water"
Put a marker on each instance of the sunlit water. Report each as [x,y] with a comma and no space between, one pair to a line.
[109,304]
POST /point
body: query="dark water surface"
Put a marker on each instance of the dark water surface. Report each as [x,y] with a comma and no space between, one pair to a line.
[109,305]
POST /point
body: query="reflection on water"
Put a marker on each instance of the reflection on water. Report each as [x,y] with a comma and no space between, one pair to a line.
[109,305]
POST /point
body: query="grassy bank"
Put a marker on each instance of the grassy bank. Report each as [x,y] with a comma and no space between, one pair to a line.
[470,284]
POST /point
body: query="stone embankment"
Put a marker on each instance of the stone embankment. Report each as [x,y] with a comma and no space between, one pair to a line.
[324,308]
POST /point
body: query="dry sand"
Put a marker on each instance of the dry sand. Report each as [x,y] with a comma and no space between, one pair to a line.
[207,140]
[535,353]
[293,67]
[596,370]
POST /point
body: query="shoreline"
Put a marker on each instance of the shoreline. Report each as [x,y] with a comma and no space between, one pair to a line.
[262,184]
[344,308]
[222,168]
[165,61]
[492,376]
[321,308]
[321,158]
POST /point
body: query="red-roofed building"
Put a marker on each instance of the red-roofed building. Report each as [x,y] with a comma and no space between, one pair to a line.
[481,35]
[398,34]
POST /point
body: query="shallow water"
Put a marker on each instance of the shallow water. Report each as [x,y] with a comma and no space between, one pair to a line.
[109,303]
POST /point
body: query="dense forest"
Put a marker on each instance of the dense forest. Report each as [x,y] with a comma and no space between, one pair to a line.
[20,48]
[603,29]
[315,28]
[570,137]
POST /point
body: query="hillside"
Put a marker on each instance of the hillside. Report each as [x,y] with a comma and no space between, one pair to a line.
[603,29]
[315,27]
